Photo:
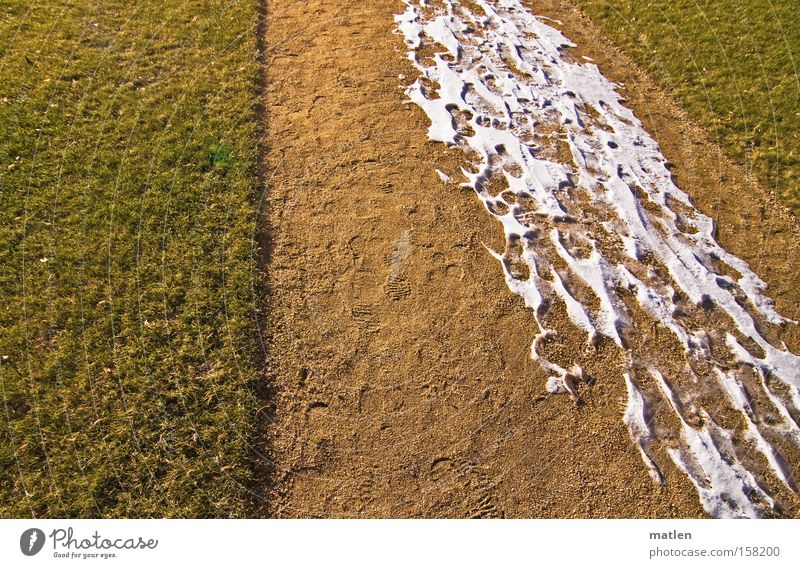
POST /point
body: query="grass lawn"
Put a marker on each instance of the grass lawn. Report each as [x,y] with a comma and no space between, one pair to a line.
[128,277]
[733,64]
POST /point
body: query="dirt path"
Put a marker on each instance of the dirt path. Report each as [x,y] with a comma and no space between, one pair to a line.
[401,359]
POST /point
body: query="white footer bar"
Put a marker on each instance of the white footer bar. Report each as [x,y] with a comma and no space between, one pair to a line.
[391,543]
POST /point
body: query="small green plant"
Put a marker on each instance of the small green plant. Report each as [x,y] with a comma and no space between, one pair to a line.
[220,156]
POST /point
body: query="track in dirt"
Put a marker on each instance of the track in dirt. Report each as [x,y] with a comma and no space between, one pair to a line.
[595,225]
[402,360]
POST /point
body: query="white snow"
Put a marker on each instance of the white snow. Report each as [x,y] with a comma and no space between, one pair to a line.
[635,420]
[443,176]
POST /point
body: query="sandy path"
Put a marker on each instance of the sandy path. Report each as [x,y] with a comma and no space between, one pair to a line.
[404,388]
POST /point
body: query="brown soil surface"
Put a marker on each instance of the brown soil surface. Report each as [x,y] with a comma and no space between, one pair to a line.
[400,359]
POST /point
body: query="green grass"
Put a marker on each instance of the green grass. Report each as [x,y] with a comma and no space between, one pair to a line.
[733,64]
[128,208]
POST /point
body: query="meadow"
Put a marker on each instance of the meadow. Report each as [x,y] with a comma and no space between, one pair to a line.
[733,64]
[129,281]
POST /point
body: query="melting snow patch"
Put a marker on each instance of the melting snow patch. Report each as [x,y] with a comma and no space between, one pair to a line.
[589,208]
